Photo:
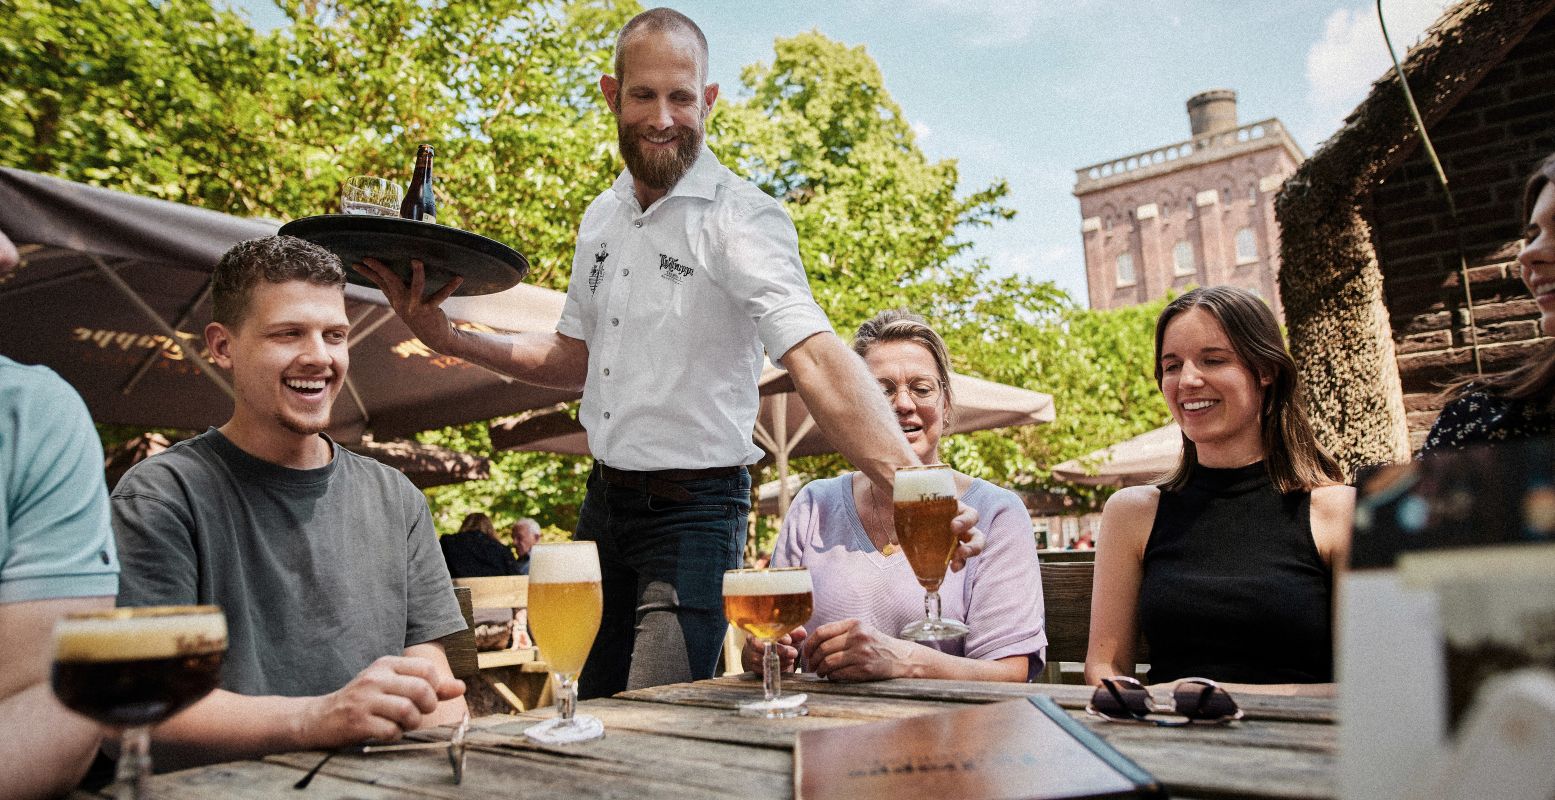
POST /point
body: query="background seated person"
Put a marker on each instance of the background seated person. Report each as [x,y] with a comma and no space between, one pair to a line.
[475,551]
[1226,564]
[324,561]
[56,557]
[865,591]
[525,533]
[1518,403]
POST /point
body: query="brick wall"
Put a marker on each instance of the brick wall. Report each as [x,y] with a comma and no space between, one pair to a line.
[1487,144]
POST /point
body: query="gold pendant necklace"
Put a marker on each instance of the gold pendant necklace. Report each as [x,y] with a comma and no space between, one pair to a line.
[890,546]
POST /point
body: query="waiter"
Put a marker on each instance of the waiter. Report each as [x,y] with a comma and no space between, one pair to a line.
[683,273]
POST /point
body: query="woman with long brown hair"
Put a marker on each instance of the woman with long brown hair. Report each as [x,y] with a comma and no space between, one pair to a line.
[1226,564]
[1520,402]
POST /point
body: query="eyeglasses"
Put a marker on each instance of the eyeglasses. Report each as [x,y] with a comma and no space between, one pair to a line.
[1123,699]
[923,391]
[455,746]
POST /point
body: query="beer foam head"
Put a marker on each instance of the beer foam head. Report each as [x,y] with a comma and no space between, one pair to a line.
[742,582]
[564,562]
[924,483]
[134,634]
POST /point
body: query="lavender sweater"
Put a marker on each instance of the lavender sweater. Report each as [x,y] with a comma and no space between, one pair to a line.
[998,594]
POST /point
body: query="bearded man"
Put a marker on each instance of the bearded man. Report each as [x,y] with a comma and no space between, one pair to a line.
[683,273]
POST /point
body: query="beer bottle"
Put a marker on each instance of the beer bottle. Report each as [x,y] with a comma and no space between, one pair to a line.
[419,202]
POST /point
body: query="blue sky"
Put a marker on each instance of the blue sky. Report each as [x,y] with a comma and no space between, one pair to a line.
[1030,90]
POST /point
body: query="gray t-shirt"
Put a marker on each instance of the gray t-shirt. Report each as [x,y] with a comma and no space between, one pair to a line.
[320,571]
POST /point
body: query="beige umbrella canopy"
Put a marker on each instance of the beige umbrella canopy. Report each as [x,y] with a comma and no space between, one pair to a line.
[1131,462]
[784,427]
[426,465]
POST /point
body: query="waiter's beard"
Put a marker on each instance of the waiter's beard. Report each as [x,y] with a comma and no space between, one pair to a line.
[659,169]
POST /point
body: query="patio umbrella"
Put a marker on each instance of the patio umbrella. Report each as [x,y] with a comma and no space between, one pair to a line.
[112,294]
[784,427]
[426,465]
[1131,462]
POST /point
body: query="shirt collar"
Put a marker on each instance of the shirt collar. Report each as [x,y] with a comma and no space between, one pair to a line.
[699,181]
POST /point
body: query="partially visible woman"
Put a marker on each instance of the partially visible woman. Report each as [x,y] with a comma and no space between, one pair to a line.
[1518,403]
[865,591]
[1227,564]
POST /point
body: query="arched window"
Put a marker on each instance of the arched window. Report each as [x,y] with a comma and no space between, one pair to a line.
[1125,265]
[1252,193]
[1182,258]
[1246,246]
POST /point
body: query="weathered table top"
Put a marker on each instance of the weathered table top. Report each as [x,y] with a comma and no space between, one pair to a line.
[684,741]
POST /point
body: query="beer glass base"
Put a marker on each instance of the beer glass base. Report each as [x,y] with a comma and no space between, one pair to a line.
[783,707]
[934,630]
[581,728]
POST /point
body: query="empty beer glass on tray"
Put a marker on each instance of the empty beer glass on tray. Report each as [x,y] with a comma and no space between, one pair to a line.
[365,194]
[768,603]
[132,668]
[925,499]
[565,603]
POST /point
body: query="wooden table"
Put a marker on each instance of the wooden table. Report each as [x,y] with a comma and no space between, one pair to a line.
[684,741]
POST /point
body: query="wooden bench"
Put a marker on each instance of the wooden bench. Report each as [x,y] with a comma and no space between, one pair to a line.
[514,679]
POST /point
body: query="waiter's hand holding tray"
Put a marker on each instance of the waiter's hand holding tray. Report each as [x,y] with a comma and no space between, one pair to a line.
[487,266]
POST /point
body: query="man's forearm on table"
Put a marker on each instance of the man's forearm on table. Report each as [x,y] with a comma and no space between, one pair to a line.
[226,726]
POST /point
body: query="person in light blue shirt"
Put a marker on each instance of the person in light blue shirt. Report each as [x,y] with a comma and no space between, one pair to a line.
[56,556]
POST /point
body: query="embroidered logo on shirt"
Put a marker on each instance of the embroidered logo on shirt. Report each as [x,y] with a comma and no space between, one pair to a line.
[673,270]
[597,272]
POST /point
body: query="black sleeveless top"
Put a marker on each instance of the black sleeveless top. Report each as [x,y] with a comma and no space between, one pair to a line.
[1233,587]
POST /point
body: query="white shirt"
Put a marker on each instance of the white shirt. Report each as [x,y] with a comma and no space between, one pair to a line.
[676,303]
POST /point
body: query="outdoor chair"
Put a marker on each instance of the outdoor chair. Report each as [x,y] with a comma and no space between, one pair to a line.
[460,645]
[1066,593]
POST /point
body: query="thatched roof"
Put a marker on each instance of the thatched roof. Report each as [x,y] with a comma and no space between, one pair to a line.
[1330,282]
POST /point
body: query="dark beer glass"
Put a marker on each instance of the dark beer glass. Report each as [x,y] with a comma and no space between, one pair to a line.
[132,668]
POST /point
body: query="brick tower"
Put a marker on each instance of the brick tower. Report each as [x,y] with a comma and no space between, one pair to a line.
[1196,212]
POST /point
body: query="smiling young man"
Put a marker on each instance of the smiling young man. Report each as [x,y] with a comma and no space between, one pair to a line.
[325,562]
[684,273]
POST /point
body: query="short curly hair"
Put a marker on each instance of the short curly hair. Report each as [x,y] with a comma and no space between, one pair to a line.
[274,259]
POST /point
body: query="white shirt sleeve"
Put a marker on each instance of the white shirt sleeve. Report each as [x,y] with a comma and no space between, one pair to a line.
[760,268]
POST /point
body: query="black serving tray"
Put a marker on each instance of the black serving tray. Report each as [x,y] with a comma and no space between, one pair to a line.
[487,266]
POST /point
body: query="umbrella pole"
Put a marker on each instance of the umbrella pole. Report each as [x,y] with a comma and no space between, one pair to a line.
[167,330]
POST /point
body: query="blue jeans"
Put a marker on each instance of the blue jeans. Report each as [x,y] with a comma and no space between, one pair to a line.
[662,563]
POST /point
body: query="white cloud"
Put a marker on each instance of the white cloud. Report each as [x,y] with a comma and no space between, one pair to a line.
[1351,54]
[922,131]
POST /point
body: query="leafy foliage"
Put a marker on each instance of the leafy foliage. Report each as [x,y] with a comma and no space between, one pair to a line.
[178,100]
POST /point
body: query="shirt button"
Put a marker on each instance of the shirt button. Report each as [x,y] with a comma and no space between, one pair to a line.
[625,272]
[615,320]
[607,372]
[607,415]
[637,224]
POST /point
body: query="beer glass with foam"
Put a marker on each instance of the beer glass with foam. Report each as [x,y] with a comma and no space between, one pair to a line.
[767,603]
[132,668]
[925,499]
[565,602]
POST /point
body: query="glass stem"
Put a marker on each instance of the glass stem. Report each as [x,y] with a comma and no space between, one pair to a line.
[566,696]
[931,605]
[134,763]
[771,671]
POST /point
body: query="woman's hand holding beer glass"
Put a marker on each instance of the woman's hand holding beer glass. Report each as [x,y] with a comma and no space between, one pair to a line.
[769,604]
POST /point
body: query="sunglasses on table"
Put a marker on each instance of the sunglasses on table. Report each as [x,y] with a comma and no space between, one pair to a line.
[455,746]
[1194,700]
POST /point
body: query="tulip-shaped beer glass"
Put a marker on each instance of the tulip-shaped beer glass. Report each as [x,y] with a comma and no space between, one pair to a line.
[925,499]
[132,668]
[565,602]
[767,603]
